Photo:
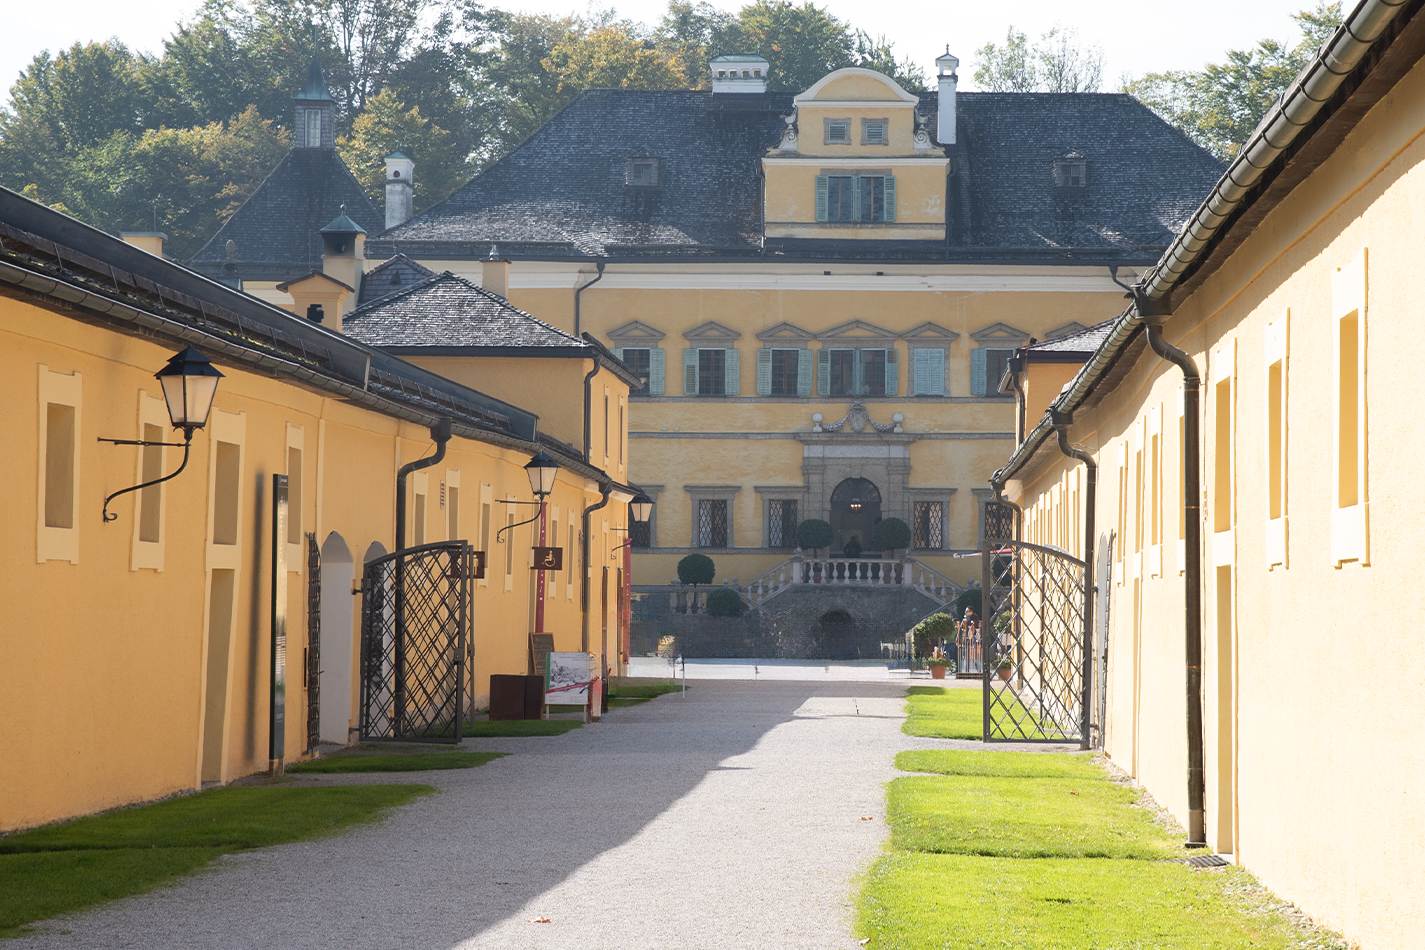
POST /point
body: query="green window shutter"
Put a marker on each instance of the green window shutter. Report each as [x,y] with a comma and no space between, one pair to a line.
[655,372]
[939,382]
[919,373]
[821,197]
[856,373]
[690,372]
[977,372]
[855,197]
[764,371]
[893,372]
[618,351]
[805,369]
[730,380]
[823,372]
[890,197]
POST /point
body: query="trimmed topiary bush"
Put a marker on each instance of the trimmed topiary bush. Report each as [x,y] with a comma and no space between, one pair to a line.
[890,534]
[696,569]
[813,533]
[725,602]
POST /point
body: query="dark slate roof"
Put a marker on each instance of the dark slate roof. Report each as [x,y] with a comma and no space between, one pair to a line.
[446,312]
[561,193]
[388,278]
[277,229]
[1082,343]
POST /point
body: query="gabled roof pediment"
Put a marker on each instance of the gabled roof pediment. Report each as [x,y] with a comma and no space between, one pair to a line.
[785,332]
[634,333]
[1000,334]
[857,330]
[930,333]
[1068,329]
[312,276]
[712,331]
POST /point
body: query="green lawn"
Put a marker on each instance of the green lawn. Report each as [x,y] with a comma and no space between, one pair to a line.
[943,713]
[1023,818]
[518,728]
[67,867]
[398,762]
[1044,851]
[632,695]
[916,901]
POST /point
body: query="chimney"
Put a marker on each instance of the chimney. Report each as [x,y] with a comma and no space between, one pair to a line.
[495,273]
[344,255]
[738,74]
[400,189]
[151,241]
[945,122]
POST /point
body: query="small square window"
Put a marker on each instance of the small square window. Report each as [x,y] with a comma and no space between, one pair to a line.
[838,131]
[641,173]
[873,132]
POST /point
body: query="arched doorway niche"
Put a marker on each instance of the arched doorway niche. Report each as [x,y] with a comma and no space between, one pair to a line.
[855,509]
[338,635]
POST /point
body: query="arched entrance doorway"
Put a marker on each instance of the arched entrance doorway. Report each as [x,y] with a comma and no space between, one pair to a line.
[337,625]
[855,509]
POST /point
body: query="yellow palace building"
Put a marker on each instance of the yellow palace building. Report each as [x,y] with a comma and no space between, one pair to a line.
[1250,430]
[817,291]
[219,622]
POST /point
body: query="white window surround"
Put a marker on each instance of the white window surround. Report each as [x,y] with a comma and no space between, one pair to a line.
[60,389]
[148,555]
[1224,374]
[487,529]
[453,505]
[727,493]
[297,500]
[1275,341]
[418,515]
[1153,459]
[1350,524]
[229,428]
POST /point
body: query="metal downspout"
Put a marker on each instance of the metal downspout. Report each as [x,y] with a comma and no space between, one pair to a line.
[600,264]
[1192,577]
[588,404]
[440,434]
[1061,429]
[606,489]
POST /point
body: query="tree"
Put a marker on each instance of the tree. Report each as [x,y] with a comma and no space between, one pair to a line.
[696,569]
[611,57]
[890,534]
[528,93]
[382,128]
[1220,105]
[814,533]
[691,34]
[800,43]
[725,602]
[1057,63]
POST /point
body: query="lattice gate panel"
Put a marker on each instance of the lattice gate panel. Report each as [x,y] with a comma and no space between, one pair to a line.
[415,637]
[1033,642]
[314,642]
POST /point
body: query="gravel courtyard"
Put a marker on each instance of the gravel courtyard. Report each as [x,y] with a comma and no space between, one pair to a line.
[729,818]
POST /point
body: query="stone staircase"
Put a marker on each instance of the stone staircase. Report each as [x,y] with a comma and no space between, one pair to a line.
[850,572]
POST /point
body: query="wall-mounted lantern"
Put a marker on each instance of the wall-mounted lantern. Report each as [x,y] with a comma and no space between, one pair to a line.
[189,381]
[541,471]
[640,509]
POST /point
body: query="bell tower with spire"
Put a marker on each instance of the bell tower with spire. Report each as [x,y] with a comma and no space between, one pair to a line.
[315,123]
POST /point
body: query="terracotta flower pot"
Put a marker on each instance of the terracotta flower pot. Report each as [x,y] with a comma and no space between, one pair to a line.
[937,672]
[1004,673]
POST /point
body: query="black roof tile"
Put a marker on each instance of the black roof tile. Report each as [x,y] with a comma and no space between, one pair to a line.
[562,193]
[277,229]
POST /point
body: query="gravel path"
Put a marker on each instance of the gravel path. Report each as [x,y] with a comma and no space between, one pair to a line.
[729,818]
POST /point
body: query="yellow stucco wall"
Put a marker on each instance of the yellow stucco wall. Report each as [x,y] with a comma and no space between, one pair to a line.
[1312,679]
[108,686]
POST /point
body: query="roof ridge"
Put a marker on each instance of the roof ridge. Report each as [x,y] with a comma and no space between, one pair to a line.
[397,294]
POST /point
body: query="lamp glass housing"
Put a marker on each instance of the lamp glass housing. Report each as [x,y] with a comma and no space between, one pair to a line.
[541,471]
[641,507]
[189,384]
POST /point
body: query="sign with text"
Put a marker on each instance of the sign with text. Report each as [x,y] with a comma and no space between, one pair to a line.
[566,683]
[549,559]
[540,646]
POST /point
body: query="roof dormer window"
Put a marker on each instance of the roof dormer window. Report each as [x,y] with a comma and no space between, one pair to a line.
[641,173]
[838,131]
[1071,171]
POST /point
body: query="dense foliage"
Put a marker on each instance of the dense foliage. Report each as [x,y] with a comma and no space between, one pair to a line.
[890,534]
[813,534]
[696,569]
[176,141]
[725,602]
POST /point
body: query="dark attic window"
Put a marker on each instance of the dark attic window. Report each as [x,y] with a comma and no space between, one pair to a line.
[1071,171]
[641,173]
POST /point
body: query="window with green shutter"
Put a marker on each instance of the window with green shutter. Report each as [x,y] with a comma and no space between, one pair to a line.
[655,372]
[805,370]
[779,372]
[853,198]
[928,372]
[987,366]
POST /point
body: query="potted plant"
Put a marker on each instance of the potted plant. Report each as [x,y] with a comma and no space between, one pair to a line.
[1005,665]
[938,665]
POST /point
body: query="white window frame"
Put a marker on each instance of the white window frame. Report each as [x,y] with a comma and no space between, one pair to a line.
[1274,346]
[1224,373]
[296,500]
[1350,525]
[59,389]
[148,555]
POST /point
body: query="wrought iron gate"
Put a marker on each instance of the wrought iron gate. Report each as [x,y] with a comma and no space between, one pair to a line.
[314,642]
[415,620]
[1035,640]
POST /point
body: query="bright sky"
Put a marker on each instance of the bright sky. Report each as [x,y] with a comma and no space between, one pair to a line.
[1137,36]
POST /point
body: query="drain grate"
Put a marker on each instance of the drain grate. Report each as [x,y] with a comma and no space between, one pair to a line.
[1204,861]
